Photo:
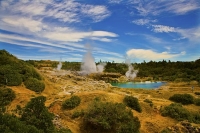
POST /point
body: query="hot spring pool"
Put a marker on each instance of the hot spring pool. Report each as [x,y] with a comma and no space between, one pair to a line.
[142,85]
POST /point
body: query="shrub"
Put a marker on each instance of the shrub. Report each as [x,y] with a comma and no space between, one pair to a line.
[71,103]
[34,85]
[77,114]
[176,111]
[7,95]
[197,93]
[196,117]
[13,79]
[182,98]
[149,101]
[197,101]
[63,130]
[108,117]
[9,76]
[133,103]
[11,124]
[35,113]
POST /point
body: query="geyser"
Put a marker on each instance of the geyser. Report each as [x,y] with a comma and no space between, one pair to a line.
[131,73]
[59,66]
[88,63]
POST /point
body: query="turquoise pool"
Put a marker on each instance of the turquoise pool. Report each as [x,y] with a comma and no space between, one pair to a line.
[142,85]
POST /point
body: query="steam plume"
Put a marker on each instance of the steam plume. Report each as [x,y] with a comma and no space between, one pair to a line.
[59,66]
[131,73]
[88,64]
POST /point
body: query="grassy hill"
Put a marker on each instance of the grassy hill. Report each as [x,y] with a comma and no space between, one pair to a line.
[60,87]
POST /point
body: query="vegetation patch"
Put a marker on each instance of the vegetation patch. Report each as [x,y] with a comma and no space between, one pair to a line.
[14,71]
[197,93]
[108,117]
[34,84]
[78,113]
[182,98]
[133,103]
[71,103]
[197,101]
[36,114]
[11,124]
[178,112]
[149,101]
[7,95]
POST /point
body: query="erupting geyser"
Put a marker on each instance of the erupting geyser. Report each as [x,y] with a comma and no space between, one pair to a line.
[88,64]
[59,66]
[131,73]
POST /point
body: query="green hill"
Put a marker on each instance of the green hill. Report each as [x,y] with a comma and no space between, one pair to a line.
[14,72]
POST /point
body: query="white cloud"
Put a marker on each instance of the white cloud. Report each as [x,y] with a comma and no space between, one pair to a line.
[157,7]
[101,39]
[75,36]
[153,39]
[103,33]
[149,38]
[115,1]
[147,54]
[24,23]
[180,38]
[162,28]
[192,34]
[143,21]
[183,7]
[65,11]
[97,13]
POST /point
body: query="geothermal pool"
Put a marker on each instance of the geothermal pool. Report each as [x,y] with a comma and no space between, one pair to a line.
[142,85]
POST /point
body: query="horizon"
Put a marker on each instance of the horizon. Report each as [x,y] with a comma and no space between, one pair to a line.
[116,30]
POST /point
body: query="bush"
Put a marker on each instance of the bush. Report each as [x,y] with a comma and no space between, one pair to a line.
[197,101]
[9,76]
[34,85]
[195,117]
[108,117]
[63,130]
[197,93]
[11,124]
[13,79]
[71,103]
[182,98]
[36,114]
[176,111]
[133,103]
[7,95]
[149,101]
[77,114]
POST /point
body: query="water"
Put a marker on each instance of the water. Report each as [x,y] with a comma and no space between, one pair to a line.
[142,85]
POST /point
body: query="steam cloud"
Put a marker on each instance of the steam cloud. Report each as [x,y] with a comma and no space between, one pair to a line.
[131,73]
[59,66]
[88,63]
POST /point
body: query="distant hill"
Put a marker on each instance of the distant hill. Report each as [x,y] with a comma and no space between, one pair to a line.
[14,71]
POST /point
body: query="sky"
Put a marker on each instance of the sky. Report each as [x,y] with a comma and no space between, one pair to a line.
[116,30]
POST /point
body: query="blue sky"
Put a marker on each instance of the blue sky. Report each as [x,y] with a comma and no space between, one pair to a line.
[116,29]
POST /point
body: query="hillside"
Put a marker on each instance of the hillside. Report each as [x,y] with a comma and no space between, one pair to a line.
[62,85]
